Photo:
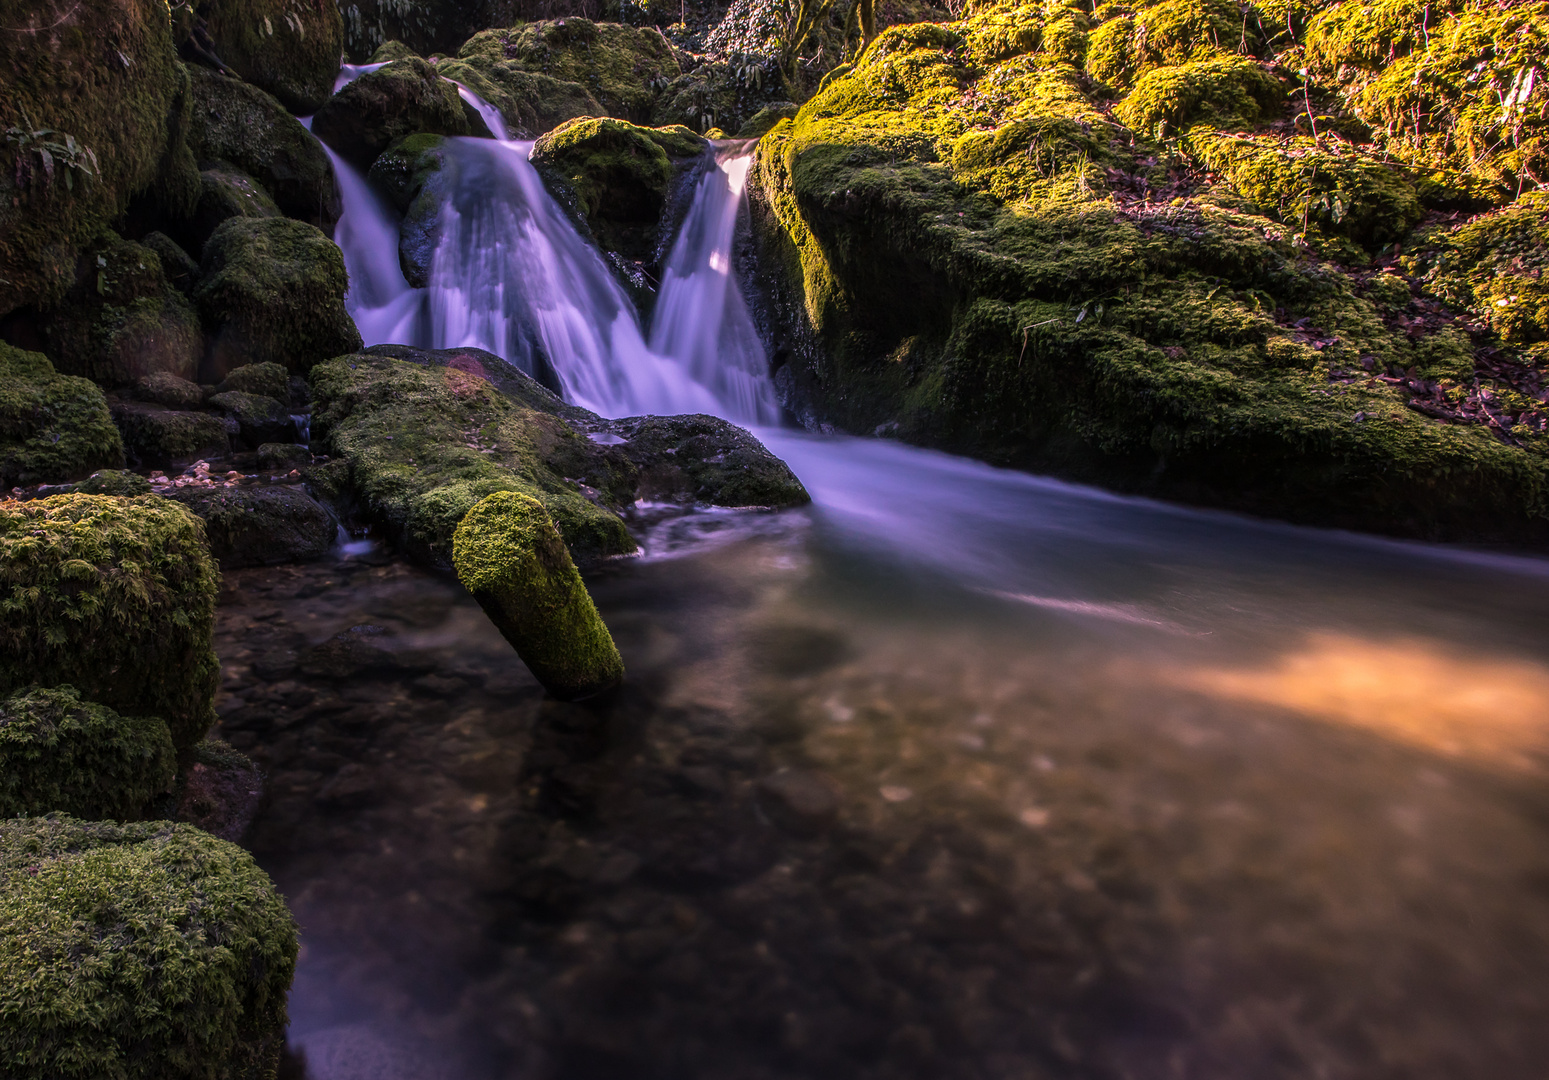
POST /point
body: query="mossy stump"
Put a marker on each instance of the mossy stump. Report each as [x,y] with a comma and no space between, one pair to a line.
[149,951]
[511,558]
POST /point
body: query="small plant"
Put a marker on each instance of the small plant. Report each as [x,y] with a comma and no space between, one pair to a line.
[46,151]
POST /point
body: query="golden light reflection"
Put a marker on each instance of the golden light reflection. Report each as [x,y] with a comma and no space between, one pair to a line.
[1410,690]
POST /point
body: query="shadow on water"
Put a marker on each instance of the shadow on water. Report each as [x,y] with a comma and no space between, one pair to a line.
[855,814]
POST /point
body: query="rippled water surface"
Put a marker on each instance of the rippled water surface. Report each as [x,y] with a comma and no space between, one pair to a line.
[957,773]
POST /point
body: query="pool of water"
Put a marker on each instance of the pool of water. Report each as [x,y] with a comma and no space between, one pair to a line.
[956,773]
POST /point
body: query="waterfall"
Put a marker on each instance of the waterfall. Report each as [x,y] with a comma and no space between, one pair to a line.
[511,274]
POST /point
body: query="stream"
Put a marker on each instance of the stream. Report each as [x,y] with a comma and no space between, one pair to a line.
[956,773]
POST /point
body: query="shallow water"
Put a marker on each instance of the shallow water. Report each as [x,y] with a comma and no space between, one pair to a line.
[1117,789]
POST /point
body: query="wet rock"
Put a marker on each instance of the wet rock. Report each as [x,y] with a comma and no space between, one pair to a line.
[290,50]
[273,291]
[221,791]
[262,525]
[694,853]
[181,268]
[348,654]
[404,98]
[259,419]
[237,123]
[800,802]
[511,558]
[224,193]
[418,177]
[352,786]
[268,379]
[164,388]
[169,438]
[283,457]
[704,459]
[53,427]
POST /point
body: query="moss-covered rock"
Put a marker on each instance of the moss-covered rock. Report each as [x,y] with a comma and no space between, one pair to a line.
[259,419]
[1496,267]
[224,193]
[760,123]
[418,176]
[93,104]
[705,460]
[1039,306]
[268,379]
[272,291]
[122,319]
[717,94]
[52,427]
[617,175]
[263,525]
[283,457]
[423,444]
[147,951]
[389,51]
[511,558]
[115,597]
[530,102]
[179,267]
[154,436]
[169,390]
[416,27]
[60,753]
[289,48]
[220,790]
[237,124]
[1159,35]
[1226,90]
[382,106]
[120,482]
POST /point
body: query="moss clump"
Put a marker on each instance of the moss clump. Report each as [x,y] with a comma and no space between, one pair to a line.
[383,106]
[97,87]
[224,193]
[706,460]
[389,51]
[58,752]
[1159,35]
[1496,267]
[240,125]
[169,390]
[424,444]
[268,379]
[759,124]
[617,175]
[259,419]
[145,951]
[287,47]
[621,66]
[272,290]
[1228,91]
[510,557]
[114,482]
[52,427]
[283,457]
[531,102]
[115,597]
[122,319]
[155,436]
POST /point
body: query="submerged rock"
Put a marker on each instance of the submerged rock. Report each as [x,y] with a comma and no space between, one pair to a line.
[60,753]
[272,290]
[511,558]
[265,525]
[115,597]
[404,98]
[138,950]
[52,427]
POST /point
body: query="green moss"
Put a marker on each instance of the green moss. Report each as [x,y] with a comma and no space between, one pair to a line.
[1165,34]
[225,193]
[1496,267]
[382,106]
[1228,91]
[240,125]
[424,444]
[530,101]
[115,597]
[249,409]
[623,67]
[114,482]
[261,526]
[389,51]
[272,291]
[1336,188]
[1372,34]
[156,436]
[180,268]
[705,460]
[418,176]
[143,951]
[267,379]
[106,115]
[289,48]
[283,457]
[759,124]
[58,752]
[52,427]
[510,557]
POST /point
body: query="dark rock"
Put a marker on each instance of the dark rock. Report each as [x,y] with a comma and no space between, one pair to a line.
[261,526]
[418,175]
[705,459]
[180,268]
[224,193]
[164,388]
[269,379]
[800,802]
[259,419]
[346,655]
[404,98]
[221,791]
[353,785]
[283,457]
[290,50]
[794,650]
[167,438]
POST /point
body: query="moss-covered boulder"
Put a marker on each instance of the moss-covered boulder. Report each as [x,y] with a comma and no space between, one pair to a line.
[382,106]
[712,94]
[272,291]
[617,175]
[762,122]
[704,460]
[264,525]
[119,482]
[511,558]
[1496,267]
[224,193]
[1079,305]
[418,176]
[283,457]
[237,124]
[158,437]
[148,951]
[1231,90]
[60,753]
[179,267]
[530,102]
[268,379]
[53,427]
[115,597]
[288,48]
[378,30]
[122,319]
[422,442]
[259,418]
[93,104]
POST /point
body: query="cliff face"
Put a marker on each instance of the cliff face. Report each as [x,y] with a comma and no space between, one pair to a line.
[1185,250]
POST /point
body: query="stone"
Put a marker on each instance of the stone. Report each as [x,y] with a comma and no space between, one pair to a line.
[288,49]
[259,419]
[404,98]
[511,558]
[268,379]
[224,193]
[155,437]
[114,482]
[171,391]
[704,459]
[262,525]
[53,427]
[221,791]
[800,802]
[283,457]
